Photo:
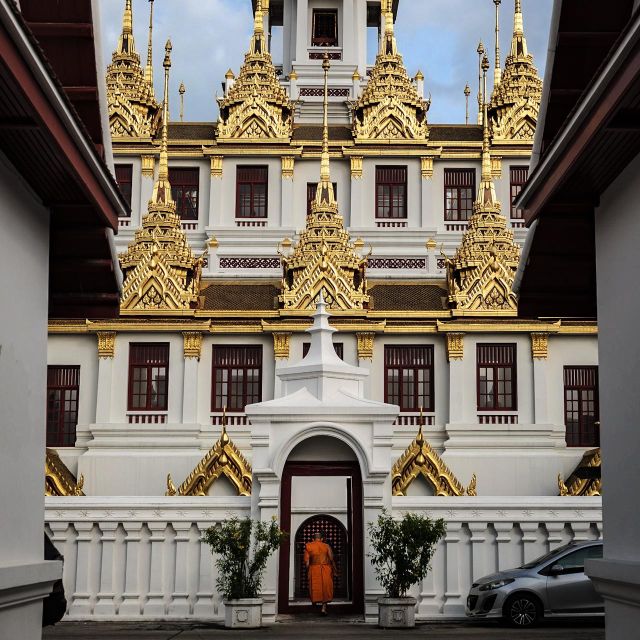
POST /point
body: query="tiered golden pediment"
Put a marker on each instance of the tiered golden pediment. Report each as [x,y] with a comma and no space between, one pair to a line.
[58,480]
[586,477]
[420,459]
[324,259]
[161,273]
[480,276]
[515,103]
[390,107]
[133,110]
[223,458]
[257,106]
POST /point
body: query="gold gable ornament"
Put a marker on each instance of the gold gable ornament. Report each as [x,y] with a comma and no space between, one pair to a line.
[420,459]
[161,275]
[586,477]
[324,259]
[132,107]
[515,103]
[480,276]
[58,480]
[256,107]
[223,458]
[390,107]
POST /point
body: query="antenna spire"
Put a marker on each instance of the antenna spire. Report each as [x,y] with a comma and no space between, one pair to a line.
[497,70]
[480,51]
[148,70]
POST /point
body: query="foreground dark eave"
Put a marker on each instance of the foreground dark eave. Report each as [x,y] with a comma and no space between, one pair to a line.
[50,131]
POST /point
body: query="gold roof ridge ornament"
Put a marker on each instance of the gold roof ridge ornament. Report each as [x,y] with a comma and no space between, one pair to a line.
[420,459]
[256,107]
[582,482]
[161,275]
[480,276]
[58,480]
[223,458]
[515,103]
[132,107]
[324,259]
[390,107]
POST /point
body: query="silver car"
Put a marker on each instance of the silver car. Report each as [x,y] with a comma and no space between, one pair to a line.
[553,585]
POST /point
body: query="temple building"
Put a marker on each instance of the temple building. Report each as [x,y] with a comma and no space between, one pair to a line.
[321,279]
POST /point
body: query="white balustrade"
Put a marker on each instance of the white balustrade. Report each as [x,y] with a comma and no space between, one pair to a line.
[142,557]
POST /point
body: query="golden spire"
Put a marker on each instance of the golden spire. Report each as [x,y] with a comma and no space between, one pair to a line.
[480,275]
[390,107]
[182,90]
[467,93]
[480,51]
[148,70]
[162,189]
[324,192]
[257,106]
[126,44]
[497,70]
[161,274]
[515,102]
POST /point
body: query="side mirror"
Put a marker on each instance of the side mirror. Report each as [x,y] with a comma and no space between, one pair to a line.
[556,570]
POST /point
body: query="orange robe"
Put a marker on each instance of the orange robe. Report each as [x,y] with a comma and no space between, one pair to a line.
[319,558]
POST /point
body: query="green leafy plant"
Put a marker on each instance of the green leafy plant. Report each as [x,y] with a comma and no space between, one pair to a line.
[402,550]
[243,547]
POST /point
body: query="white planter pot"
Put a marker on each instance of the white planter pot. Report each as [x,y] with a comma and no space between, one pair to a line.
[243,614]
[397,613]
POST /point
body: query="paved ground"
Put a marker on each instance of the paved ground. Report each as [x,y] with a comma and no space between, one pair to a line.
[321,629]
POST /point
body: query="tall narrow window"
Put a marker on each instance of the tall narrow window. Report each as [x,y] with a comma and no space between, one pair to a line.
[338,347]
[325,28]
[497,377]
[251,192]
[237,377]
[124,178]
[518,178]
[311,193]
[63,384]
[185,187]
[408,374]
[391,192]
[148,376]
[459,192]
[581,410]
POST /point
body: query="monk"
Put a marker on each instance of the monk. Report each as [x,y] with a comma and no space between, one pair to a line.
[321,567]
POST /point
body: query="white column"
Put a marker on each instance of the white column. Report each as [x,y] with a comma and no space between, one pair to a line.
[286,219]
[302,37]
[105,606]
[154,606]
[479,557]
[508,554]
[131,604]
[206,606]
[146,191]
[215,194]
[539,352]
[180,603]
[192,348]
[106,352]
[81,605]
[456,392]
[357,202]
[454,603]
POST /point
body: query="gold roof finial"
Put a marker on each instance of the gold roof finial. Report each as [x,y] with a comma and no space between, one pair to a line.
[324,192]
[467,93]
[162,187]
[148,70]
[480,51]
[182,90]
[126,42]
[518,41]
[486,193]
[257,41]
[497,69]
[388,44]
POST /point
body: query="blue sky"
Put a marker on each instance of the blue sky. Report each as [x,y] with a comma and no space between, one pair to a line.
[439,37]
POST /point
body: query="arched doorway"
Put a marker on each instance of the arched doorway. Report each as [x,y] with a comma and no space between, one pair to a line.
[335,535]
[321,488]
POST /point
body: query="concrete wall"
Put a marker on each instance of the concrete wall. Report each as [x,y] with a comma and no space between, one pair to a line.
[24,269]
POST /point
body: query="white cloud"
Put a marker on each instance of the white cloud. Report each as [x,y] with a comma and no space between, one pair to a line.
[437,36]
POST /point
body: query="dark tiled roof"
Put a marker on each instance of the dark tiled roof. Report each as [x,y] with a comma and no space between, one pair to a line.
[314,132]
[240,297]
[455,133]
[191,131]
[407,297]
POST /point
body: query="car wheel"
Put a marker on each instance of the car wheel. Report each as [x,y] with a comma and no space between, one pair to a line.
[522,610]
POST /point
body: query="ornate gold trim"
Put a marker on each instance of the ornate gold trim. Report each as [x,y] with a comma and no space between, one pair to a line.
[420,459]
[365,340]
[147,165]
[106,344]
[455,346]
[356,167]
[58,480]
[216,166]
[224,458]
[496,166]
[192,344]
[539,346]
[580,486]
[288,163]
[281,344]
[426,167]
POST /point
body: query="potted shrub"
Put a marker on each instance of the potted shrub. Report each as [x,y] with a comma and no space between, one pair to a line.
[242,547]
[401,557]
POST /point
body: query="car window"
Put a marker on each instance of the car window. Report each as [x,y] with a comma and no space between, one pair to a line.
[547,556]
[575,561]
